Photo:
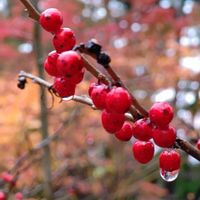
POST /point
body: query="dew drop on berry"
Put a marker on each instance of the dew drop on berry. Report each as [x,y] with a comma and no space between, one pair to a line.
[169,176]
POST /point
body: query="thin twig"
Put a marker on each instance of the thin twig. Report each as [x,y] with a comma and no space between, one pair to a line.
[182,144]
[33,13]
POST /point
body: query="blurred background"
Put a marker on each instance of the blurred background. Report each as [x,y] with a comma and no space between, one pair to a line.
[154,46]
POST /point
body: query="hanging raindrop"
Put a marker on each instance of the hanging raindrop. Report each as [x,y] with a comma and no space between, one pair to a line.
[169,176]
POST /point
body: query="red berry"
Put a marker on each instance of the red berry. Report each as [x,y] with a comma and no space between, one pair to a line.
[7,177]
[64,40]
[91,87]
[69,63]
[98,96]
[164,137]
[112,122]
[51,20]
[76,78]
[50,64]
[161,114]
[19,196]
[63,87]
[143,151]
[2,196]
[198,144]
[170,160]
[142,130]
[118,100]
[125,133]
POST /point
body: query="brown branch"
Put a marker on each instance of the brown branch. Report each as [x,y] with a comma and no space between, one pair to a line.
[182,144]
[33,13]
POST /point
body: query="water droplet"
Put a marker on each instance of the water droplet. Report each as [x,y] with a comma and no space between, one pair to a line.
[68,98]
[169,176]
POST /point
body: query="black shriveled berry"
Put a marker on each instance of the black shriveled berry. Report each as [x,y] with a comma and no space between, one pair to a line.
[103,59]
[21,82]
[93,47]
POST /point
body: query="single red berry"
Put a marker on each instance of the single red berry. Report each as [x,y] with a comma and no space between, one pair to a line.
[170,160]
[161,114]
[198,144]
[2,196]
[118,100]
[98,95]
[143,151]
[125,133]
[50,64]
[76,78]
[7,177]
[19,196]
[164,137]
[63,87]
[142,129]
[91,87]
[112,122]
[64,40]
[69,63]
[51,20]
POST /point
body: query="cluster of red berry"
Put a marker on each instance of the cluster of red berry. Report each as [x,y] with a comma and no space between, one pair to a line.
[68,68]
[62,63]
[8,179]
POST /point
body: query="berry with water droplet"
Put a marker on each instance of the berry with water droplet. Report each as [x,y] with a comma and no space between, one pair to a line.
[64,40]
[50,64]
[169,176]
[64,87]
[51,20]
[142,129]
[112,122]
[98,95]
[161,114]
[170,160]
[125,133]
[164,137]
[143,151]
[69,63]
[118,100]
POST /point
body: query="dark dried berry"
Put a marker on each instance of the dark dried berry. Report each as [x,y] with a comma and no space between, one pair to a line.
[93,47]
[103,59]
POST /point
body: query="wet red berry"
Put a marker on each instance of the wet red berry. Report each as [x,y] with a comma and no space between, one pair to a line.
[64,87]
[51,20]
[164,137]
[50,64]
[118,100]
[125,133]
[142,129]
[112,122]
[2,196]
[170,160]
[198,144]
[98,95]
[161,114]
[143,151]
[69,63]
[64,40]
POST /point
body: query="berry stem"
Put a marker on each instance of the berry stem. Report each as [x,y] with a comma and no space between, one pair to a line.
[182,144]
